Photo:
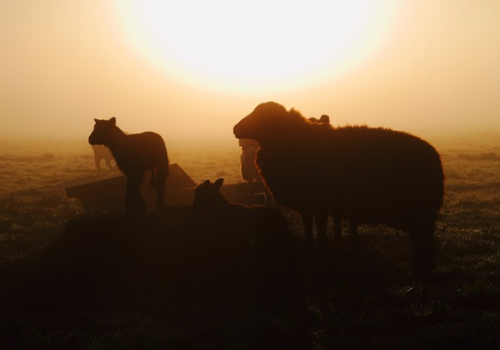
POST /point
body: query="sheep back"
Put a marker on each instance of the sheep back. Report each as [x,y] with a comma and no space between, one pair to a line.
[371,175]
[365,174]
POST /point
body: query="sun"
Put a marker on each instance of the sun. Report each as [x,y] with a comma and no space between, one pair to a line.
[259,45]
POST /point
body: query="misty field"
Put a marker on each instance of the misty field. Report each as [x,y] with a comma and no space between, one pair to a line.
[88,279]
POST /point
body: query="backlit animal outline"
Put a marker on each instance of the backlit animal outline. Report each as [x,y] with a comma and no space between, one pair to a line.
[358,173]
[135,154]
[259,234]
[324,119]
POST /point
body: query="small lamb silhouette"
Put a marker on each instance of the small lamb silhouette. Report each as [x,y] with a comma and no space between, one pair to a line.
[260,234]
[134,154]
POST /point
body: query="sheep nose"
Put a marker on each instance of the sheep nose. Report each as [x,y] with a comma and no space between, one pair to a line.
[236,131]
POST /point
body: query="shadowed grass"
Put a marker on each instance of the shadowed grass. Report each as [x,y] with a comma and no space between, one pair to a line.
[77,280]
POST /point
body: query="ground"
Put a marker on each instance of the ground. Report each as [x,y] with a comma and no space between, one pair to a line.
[77,279]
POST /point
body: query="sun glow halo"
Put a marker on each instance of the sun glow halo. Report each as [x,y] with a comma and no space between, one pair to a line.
[256,45]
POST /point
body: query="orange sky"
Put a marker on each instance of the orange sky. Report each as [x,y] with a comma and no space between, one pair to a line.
[64,63]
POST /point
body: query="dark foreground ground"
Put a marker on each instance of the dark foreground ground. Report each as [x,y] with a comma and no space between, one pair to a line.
[168,282]
[73,279]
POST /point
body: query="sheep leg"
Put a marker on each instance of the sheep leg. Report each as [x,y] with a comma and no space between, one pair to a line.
[429,257]
[161,178]
[353,234]
[423,256]
[134,203]
[337,231]
[321,225]
[307,220]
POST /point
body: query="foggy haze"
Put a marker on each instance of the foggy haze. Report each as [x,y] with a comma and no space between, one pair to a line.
[65,63]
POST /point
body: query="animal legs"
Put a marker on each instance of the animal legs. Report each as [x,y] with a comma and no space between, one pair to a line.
[307,220]
[134,203]
[161,178]
[337,231]
[321,225]
[353,234]
[423,256]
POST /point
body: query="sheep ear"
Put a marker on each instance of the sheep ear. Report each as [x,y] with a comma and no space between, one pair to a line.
[113,121]
[206,182]
[96,120]
[218,183]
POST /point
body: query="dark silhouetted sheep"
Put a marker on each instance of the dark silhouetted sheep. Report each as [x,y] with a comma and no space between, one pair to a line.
[259,237]
[134,154]
[362,174]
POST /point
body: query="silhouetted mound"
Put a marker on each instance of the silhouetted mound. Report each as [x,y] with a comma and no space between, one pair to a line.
[261,241]
[170,255]
[479,157]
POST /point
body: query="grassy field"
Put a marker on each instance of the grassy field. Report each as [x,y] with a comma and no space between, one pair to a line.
[73,279]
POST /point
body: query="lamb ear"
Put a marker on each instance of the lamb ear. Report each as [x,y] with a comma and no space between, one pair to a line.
[96,120]
[206,182]
[113,120]
[218,183]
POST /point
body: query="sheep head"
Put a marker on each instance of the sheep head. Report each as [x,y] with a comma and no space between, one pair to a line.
[266,121]
[102,131]
[207,196]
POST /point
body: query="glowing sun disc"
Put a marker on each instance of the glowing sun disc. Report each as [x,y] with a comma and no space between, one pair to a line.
[256,45]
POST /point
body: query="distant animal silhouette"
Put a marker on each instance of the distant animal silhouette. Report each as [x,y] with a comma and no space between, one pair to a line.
[134,154]
[261,231]
[324,119]
[102,152]
[358,173]
[248,169]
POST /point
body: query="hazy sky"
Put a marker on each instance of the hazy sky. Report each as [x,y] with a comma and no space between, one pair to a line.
[194,70]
